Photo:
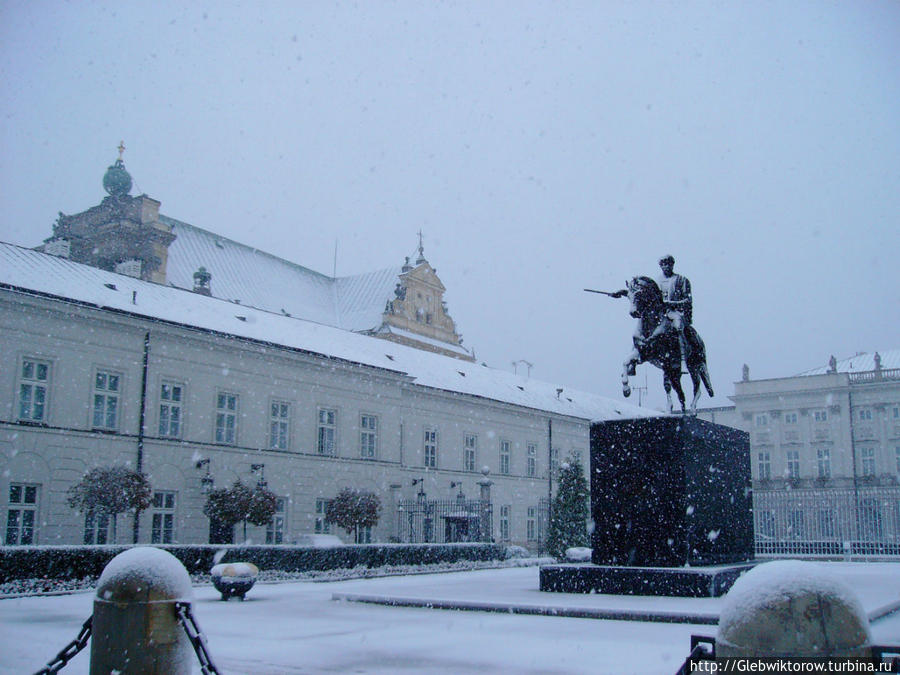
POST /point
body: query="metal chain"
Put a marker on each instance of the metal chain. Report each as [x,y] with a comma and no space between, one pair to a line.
[69,651]
[195,635]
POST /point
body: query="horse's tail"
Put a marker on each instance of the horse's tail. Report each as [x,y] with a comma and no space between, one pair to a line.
[698,347]
[697,359]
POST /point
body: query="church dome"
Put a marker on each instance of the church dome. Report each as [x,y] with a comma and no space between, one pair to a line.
[117,181]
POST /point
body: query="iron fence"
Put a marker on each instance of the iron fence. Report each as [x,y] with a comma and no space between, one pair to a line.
[828,522]
[444,521]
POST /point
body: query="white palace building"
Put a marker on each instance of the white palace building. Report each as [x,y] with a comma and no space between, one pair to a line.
[825,447]
[130,338]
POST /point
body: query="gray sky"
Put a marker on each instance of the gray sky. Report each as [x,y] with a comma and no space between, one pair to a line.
[541,147]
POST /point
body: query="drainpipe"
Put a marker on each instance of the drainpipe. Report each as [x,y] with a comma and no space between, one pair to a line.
[549,461]
[140,439]
[853,458]
[549,479]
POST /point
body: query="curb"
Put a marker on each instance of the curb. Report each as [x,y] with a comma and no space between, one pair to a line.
[540,610]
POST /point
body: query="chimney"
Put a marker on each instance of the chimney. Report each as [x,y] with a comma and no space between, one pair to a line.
[58,247]
[131,268]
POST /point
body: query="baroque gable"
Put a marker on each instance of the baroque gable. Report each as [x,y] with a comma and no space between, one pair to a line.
[418,310]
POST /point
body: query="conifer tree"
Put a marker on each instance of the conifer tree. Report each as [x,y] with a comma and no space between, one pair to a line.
[568,511]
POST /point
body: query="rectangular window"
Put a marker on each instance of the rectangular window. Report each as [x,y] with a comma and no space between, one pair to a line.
[275,528]
[826,523]
[820,416]
[364,534]
[554,460]
[867,456]
[762,420]
[823,462]
[226,417]
[106,400]
[504,522]
[790,418]
[368,436]
[793,464]
[33,388]
[470,447]
[764,466]
[897,456]
[326,431]
[21,518]
[170,402]
[96,528]
[504,457]
[531,524]
[896,412]
[865,415]
[162,530]
[430,448]
[322,525]
[531,459]
[279,425]
[576,456]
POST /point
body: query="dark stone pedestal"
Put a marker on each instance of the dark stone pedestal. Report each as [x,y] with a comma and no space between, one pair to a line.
[689,582]
[672,510]
[669,492]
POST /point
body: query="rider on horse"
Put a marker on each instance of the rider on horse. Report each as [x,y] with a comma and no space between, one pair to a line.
[676,290]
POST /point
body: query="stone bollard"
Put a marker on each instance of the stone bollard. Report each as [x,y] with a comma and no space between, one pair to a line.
[790,608]
[135,626]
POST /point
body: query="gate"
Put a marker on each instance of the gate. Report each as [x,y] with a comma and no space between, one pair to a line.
[444,521]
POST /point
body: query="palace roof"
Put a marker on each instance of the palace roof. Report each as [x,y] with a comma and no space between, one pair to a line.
[30,271]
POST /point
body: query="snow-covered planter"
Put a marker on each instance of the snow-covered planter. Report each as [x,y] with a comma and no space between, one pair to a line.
[234,579]
[578,554]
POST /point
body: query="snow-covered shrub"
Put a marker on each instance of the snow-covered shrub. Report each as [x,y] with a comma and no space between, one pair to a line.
[516,552]
[77,562]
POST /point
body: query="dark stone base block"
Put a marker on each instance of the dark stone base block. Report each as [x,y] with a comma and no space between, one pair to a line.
[666,491]
[686,582]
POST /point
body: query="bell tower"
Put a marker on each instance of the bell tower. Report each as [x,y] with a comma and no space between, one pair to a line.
[122,234]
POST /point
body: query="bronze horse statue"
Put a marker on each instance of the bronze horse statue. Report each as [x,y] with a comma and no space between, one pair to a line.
[662,348]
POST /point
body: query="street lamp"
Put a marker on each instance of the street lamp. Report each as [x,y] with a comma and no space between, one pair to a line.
[206,481]
[261,483]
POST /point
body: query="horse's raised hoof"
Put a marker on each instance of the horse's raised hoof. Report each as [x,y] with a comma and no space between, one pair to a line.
[626,391]
[632,371]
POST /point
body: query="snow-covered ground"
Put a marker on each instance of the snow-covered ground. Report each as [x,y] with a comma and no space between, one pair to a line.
[298,627]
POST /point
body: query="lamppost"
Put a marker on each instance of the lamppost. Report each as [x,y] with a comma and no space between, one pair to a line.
[206,481]
[261,483]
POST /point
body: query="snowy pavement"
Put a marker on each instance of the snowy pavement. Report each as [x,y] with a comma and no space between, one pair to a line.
[298,628]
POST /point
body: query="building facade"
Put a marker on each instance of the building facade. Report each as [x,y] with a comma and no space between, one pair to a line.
[825,446]
[116,360]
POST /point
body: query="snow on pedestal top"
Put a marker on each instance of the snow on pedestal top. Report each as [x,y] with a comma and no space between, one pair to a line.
[144,574]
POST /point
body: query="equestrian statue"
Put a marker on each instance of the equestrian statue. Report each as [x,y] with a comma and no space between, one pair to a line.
[664,334]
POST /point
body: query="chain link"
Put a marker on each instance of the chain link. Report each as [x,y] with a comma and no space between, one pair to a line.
[70,650]
[198,640]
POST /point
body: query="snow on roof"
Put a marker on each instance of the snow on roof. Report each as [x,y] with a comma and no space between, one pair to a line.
[860,363]
[260,279]
[425,339]
[361,299]
[32,271]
